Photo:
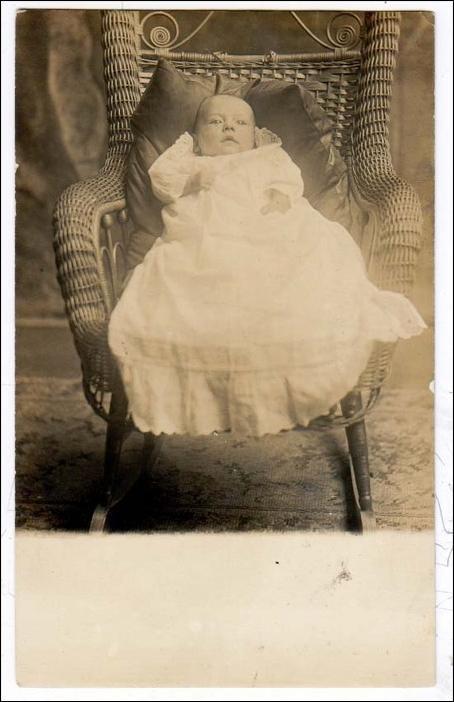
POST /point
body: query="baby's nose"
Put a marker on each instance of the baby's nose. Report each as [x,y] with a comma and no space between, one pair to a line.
[229,125]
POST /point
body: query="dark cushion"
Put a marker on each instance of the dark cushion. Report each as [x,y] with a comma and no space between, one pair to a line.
[168,108]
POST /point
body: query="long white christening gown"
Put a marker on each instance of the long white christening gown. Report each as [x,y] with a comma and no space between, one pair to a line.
[243,321]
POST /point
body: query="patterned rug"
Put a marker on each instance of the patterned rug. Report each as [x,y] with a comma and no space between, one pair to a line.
[295,480]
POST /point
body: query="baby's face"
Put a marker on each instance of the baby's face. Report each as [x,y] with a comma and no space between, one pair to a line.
[225,125]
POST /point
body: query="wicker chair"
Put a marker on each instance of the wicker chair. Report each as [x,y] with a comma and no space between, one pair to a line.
[91,221]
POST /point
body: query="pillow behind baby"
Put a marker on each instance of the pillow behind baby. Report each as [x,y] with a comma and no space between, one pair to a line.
[168,109]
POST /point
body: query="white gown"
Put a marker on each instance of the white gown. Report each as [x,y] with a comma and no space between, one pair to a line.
[243,321]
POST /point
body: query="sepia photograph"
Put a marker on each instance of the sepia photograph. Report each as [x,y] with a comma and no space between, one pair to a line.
[210,306]
[224,313]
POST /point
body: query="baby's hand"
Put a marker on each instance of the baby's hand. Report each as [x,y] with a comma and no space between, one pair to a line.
[277,202]
[207,174]
[203,177]
[264,136]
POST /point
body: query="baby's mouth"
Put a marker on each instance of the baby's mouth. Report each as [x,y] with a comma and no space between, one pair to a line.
[230,139]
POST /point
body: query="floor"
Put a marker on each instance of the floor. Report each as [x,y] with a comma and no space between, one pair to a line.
[295,480]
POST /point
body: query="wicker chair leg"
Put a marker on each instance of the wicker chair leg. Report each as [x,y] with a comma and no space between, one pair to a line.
[151,449]
[359,462]
[117,430]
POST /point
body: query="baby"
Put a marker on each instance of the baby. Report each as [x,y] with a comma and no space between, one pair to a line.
[252,312]
[225,125]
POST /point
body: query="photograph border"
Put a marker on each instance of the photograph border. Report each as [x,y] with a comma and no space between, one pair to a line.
[442,386]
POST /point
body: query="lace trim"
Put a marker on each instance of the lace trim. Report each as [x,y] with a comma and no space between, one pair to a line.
[175,401]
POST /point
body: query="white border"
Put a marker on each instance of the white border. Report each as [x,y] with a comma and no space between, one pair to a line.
[444,276]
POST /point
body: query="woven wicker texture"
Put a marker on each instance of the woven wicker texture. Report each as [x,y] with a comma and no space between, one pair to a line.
[355,91]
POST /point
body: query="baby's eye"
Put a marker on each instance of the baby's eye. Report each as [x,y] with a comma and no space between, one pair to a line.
[214,121]
[242,121]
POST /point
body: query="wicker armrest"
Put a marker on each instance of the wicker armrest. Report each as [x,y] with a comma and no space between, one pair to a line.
[391,251]
[399,241]
[395,236]
[395,206]
[77,223]
[89,263]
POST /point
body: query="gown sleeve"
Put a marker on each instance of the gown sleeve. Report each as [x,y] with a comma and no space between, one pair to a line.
[283,175]
[172,170]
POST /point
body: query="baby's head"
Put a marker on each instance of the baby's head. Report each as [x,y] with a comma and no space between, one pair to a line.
[224,125]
